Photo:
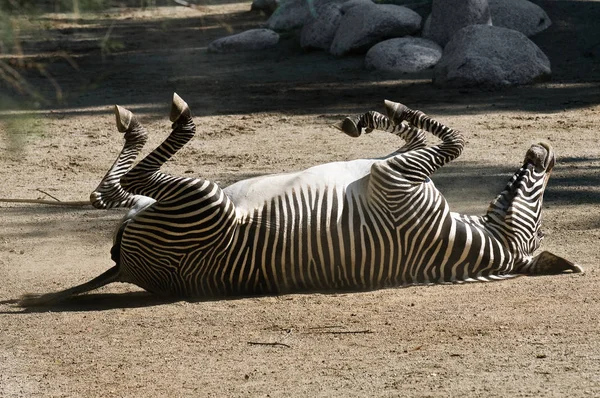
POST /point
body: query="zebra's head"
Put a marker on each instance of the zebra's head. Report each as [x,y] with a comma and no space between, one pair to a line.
[518,207]
[517,211]
[540,157]
[537,166]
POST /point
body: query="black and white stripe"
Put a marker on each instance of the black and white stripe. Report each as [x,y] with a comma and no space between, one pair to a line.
[365,224]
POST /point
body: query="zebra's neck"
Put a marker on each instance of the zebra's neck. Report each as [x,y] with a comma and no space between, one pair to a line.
[516,212]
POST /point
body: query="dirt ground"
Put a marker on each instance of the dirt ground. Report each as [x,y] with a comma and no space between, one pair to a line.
[270,112]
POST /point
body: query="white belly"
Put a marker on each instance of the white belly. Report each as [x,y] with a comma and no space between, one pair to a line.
[252,193]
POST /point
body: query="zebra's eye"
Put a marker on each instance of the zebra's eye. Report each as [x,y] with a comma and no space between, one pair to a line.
[540,234]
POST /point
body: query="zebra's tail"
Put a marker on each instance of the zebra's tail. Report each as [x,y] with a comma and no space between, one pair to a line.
[38,300]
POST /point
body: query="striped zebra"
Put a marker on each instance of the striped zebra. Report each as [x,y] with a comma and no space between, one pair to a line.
[343,226]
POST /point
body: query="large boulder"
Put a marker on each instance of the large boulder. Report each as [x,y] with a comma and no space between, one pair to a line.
[449,16]
[294,14]
[266,6]
[319,32]
[347,5]
[250,40]
[521,15]
[490,56]
[403,55]
[364,25]
[422,7]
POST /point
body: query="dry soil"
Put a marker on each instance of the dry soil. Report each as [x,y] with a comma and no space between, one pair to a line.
[270,112]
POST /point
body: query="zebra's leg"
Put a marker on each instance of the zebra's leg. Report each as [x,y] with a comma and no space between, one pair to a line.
[109,193]
[354,126]
[37,300]
[419,164]
[420,161]
[145,178]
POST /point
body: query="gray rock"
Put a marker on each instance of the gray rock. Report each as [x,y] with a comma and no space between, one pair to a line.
[250,40]
[449,16]
[353,3]
[294,14]
[520,15]
[266,6]
[490,56]
[364,25]
[403,55]
[320,31]
[422,7]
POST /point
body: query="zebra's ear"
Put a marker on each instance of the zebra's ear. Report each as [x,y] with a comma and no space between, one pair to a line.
[547,263]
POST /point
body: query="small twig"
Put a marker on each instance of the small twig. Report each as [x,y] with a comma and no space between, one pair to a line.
[271,344]
[366,331]
[326,327]
[319,330]
[77,203]
[46,193]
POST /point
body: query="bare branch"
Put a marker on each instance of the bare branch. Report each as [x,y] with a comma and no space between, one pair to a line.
[366,331]
[270,344]
[47,194]
[80,203]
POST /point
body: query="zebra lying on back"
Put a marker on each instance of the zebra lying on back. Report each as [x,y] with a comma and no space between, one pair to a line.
[357,225]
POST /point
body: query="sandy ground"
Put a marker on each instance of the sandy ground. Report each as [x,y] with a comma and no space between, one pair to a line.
[270,112]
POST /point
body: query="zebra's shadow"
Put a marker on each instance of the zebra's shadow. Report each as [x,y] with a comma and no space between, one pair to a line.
[91,302]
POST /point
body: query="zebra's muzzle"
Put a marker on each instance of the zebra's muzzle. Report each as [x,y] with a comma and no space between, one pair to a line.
[541,156]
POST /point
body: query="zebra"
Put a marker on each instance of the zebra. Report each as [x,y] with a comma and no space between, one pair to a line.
[344,226]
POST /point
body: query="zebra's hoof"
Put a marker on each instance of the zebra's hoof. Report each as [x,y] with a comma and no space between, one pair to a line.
[396,111]
[124,118]
[348,126]
[179,108]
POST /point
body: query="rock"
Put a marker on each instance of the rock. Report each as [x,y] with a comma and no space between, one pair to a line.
[403,55]
[490,56]
[364,25]
[347,5]
[449,16]
[294,14]
[291,14]
[320,31]
[521,15]
[266,6]
[250,40]
[422,7]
